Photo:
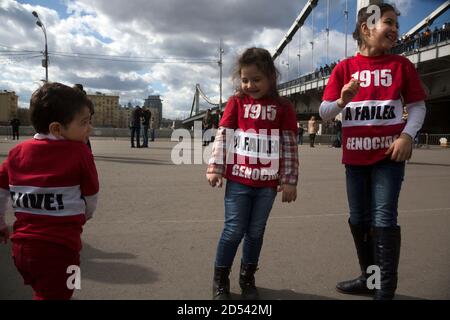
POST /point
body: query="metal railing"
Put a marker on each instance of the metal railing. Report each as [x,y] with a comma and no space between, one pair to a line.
[28,131]
[423,140]
[426,140]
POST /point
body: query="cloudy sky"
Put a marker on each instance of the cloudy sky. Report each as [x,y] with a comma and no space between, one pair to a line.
[137,48]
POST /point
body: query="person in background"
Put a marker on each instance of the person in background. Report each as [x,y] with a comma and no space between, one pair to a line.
[313,128]
[15,124]
[146,115]
[300,131]
[135,125]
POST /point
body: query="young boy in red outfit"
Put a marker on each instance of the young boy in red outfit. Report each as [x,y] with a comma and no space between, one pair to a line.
[53,184]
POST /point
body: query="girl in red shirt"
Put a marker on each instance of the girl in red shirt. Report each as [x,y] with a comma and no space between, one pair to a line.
[371,91]
[255,149]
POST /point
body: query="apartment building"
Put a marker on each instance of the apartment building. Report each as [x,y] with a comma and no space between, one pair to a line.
[9,103]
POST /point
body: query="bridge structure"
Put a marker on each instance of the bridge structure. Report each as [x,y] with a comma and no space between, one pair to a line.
[200,104]
[430,55]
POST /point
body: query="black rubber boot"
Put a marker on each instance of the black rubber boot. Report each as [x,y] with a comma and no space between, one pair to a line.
[387,243]
[364,249]
[247,281]
[221,283]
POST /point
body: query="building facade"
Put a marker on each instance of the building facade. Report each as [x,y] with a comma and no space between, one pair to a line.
[154,104]
[108,112]
[23,114]
[9,103]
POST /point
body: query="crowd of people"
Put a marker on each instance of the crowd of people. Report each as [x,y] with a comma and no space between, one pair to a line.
[141,116]
[318,73]
[422,39]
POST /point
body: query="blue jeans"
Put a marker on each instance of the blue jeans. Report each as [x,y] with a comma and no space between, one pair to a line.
[135,132]
[373,193]
[145,136]
[246,212]
[152,134]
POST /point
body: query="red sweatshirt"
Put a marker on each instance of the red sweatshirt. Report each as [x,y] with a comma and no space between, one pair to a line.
[50,184]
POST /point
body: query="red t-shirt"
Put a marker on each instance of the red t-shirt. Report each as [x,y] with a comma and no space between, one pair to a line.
[374,118]
[47,180]
[256,147]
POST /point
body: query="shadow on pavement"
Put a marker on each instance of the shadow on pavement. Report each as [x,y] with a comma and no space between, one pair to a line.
[286,294]
[101,266]
[11,282]
[132,160]
[428,164]
[403,297]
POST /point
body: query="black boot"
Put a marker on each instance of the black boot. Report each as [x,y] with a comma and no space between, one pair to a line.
[221,283]
[247,281]
[387,254]
[364,249]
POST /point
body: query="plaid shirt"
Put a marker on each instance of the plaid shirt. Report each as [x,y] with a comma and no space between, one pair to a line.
[288,157]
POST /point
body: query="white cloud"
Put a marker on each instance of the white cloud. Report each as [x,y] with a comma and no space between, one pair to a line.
[402,5]
[152,29]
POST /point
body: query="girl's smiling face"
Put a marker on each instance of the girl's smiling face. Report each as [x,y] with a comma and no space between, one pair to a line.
[254,83]
[381,37]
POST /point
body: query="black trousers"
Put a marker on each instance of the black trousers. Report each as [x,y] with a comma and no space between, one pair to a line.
[15,133]
[312,137]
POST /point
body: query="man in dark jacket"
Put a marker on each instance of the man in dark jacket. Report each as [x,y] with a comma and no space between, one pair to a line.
[15,123]
[135,126]
[207,124]
[147,115]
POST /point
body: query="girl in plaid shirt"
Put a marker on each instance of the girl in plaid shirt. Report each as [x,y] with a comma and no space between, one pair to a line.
[255,149]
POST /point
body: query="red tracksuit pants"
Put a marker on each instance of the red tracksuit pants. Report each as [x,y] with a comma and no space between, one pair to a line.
[43,266]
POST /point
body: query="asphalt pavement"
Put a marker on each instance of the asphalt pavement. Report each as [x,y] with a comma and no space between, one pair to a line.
[155,231]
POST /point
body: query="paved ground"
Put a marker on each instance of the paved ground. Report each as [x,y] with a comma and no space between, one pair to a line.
[157,225]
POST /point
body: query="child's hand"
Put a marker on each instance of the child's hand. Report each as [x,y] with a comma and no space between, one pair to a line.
[214,179]
[348,92]
[4,235]
[401,148]
[289,192]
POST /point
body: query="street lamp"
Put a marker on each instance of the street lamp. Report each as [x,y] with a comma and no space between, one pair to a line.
[286,64]
[45,60]
[346,25]
[220,62]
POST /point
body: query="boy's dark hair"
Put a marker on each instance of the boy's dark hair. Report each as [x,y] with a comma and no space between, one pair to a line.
[262,59]
[55,102]
[363,15]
